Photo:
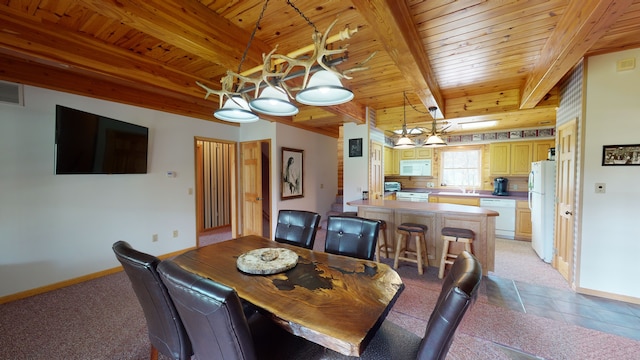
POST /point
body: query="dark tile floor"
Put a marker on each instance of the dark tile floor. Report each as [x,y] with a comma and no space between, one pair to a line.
[610,316]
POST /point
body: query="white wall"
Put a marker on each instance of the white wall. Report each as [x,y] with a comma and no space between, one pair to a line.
[59,227]
[320,168]
[356,169]
[610,246]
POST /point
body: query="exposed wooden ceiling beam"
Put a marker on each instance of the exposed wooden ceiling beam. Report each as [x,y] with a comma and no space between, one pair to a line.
[394,27]
[188,25]
[583,23]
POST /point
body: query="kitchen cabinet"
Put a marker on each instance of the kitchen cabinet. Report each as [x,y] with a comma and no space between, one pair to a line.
[500,157]
[541,149]
[515,158]
[407,154]
[458,200]
[521,158]
[391,161]
[523,221]
[415,153]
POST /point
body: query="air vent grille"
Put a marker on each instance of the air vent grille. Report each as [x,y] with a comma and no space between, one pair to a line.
[11,93]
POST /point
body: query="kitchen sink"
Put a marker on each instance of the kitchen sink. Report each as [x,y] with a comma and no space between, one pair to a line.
[457,193]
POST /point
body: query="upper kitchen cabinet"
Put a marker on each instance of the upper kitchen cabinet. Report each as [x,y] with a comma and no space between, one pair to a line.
[521,158]
[515,158]
[500,157]
[415,153]
[391,161]
[541,149]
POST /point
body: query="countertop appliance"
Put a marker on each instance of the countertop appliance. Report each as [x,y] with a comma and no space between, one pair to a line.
[392,186]
[415,167]
[542,188]
[412,196]
[500,186]
[506,222]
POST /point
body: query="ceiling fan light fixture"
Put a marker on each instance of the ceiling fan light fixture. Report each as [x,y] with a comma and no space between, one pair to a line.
[236,109]
[273,101]
[324,89]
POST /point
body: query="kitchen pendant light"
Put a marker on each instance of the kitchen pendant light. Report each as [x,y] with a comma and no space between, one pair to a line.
[236,110]
[434,140]
[324,89]
[273,101]
[404,142]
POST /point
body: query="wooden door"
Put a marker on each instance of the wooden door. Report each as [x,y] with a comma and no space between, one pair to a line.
[376,181]
[251,188]
[566,162]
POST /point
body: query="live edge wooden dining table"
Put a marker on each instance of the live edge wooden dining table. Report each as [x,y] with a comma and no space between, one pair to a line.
[336,301]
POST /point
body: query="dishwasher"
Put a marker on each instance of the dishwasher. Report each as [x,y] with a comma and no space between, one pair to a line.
[506,222]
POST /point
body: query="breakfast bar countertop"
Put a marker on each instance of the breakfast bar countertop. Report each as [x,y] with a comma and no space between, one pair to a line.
[424,206]
[481,194]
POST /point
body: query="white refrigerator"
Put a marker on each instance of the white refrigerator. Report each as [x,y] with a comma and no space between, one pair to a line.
[542,189]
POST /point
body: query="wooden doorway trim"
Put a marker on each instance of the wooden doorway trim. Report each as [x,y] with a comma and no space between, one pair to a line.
[564,239]
[199,192]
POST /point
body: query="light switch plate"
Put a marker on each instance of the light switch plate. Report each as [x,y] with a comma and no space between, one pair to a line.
[601,188]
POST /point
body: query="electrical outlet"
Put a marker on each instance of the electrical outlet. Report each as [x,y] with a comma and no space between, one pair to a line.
[154,237]
[601,188]
[175,233]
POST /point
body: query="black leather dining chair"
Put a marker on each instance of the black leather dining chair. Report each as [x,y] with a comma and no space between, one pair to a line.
[297,227]
[352,236]
[166,331]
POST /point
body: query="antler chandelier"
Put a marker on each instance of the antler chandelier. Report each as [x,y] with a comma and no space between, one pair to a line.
[324,88]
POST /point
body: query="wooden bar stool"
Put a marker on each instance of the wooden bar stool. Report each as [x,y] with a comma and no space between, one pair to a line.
[450,235]
[382,241]
[404,233]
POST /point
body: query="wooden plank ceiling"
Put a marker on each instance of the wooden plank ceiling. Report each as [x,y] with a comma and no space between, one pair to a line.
[473,59]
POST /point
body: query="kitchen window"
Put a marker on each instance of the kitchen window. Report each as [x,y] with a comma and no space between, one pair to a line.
[461,168]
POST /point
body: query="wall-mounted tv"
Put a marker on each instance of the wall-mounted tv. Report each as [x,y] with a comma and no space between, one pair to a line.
[92,144]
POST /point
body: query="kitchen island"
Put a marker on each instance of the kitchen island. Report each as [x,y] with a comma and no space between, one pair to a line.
[436,216]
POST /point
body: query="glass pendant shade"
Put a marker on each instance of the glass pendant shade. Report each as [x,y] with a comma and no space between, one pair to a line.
[434,141]
[404,143]
[236,110]
[324,89]
[273,101]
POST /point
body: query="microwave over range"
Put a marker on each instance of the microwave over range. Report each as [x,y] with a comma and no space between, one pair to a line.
[415,167]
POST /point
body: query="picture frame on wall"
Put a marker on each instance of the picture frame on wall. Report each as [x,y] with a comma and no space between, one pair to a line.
[621,155]
[292,174]
[355,147]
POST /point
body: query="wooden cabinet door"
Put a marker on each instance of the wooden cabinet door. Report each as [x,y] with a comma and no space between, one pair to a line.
[407,154]
[500,158]
[521,158]
[523,221]
[388,161]
[541,149]
[424,153]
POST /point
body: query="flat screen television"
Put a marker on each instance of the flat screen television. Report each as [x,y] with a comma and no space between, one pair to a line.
[92,144]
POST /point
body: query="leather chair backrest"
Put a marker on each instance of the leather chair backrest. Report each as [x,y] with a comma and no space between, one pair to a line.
[352,236]
[297,227]
[212,314]
[166,331]
[459,290]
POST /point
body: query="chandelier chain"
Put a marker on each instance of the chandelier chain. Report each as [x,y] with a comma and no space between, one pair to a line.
[412,106]
[253,34]
[302,15]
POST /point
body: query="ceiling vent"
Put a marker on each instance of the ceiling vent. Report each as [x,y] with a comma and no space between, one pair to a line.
[11,93]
